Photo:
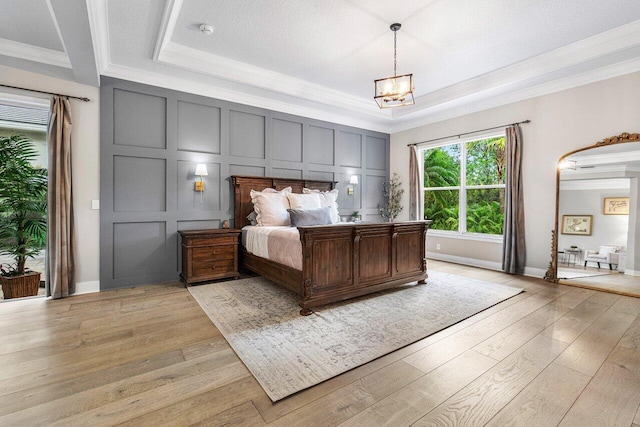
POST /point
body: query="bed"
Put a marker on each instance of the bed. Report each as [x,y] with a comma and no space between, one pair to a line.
[339,261]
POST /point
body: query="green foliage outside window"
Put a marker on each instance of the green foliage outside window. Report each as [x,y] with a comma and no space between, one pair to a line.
[485,165]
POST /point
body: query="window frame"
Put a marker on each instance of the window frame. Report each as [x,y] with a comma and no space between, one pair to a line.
[462,188]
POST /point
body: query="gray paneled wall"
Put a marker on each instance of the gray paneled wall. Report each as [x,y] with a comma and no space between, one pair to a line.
[153,138]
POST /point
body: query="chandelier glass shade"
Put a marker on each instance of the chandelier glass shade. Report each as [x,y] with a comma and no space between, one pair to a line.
[394,91]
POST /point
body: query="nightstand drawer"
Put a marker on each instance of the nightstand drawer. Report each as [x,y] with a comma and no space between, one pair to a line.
[208,241]
[214,268]
[212,253]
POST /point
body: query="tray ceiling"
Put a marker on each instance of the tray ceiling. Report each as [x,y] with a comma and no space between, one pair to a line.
[319,59]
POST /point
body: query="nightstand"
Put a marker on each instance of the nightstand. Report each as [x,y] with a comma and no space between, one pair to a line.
[209,255]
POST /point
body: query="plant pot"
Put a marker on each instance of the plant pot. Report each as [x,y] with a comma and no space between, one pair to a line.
[20,286]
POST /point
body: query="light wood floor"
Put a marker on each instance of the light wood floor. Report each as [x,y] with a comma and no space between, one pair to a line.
[554,355]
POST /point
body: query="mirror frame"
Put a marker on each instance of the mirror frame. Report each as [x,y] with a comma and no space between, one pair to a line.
[552,271]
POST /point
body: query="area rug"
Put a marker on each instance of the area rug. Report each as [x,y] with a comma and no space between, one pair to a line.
[287,352]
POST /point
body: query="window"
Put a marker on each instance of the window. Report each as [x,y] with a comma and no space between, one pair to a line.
[464,186]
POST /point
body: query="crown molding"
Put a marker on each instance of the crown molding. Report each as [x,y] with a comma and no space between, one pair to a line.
[34,53]
[199,61]
[99,23]
[224,94]
[487,100]
[228,69]
[603,56]
[167,25]
[595,184]
[607,158]
[55,24]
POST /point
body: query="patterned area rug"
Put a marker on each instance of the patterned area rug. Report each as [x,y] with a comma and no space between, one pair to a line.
[287,352]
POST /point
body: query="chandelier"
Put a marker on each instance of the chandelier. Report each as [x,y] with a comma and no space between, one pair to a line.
[394,91]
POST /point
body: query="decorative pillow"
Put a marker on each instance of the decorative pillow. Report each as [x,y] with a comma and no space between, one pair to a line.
[252,218]
[300,217]
[271,206]
[304,201]
[327,198]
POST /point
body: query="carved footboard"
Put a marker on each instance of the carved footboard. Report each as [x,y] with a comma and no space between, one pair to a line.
[341,262]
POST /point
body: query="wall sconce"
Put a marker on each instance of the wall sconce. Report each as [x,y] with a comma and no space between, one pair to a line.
[353,182]
[201,170]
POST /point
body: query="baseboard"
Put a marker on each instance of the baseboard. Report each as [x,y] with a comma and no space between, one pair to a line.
[629,272]
[87,287]
[535,272]
[489,265]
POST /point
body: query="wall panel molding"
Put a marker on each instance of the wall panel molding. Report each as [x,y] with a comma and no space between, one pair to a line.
[162,134]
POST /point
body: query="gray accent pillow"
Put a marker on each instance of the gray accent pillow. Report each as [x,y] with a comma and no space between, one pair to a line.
[253,218]
[300,218]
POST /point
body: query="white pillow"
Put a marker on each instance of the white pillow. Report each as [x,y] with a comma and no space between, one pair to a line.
[304,201]
[327,198]
[271,206]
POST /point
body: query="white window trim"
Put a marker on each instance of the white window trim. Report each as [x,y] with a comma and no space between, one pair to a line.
[462,199]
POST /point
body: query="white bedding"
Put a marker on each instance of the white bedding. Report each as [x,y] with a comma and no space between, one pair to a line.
[279,244]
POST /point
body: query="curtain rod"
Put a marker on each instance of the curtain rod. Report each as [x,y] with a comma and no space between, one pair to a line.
[467,133]
[48,93]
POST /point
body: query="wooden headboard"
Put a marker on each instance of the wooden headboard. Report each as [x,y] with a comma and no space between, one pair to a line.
[243,185]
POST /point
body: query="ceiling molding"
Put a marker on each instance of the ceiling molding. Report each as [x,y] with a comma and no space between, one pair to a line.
[607,158]
[55,24]
[481,102]
[595,184]
[224,94]
[168,24]
[191,59]
[582,51]
[34,53]
[99,23]
[221,67]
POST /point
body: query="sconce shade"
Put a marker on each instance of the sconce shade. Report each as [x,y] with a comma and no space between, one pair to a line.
[354,180]
[201,170]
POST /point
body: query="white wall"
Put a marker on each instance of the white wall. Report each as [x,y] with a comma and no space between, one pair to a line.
[561,122]
[85,137]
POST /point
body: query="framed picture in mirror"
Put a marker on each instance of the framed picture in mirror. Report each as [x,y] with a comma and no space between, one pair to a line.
[616,206]
[577,224]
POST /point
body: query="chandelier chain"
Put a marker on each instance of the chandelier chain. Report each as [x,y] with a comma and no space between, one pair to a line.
[395,39]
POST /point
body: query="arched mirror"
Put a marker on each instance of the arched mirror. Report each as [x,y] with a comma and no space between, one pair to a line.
[596,241]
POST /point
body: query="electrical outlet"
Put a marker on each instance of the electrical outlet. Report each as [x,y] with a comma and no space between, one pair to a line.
[437,246]
[95,204]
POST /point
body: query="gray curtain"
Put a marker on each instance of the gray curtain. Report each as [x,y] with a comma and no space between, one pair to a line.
[414,183]
[60,243]
[513,249]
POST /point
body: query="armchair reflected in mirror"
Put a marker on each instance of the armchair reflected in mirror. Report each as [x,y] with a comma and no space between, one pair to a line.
[605,253]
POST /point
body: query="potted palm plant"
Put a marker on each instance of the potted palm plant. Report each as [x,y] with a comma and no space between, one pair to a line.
[23,215]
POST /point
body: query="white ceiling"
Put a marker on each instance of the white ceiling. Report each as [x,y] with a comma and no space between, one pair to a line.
[319,58]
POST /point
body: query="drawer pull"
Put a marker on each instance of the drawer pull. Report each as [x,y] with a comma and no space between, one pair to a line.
[213,252]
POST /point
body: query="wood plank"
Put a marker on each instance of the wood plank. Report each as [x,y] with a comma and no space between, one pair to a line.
[545,401]
[135,395]
[432,357]
[612,396]
[481,400]
[352,399]
[271,411]
[22,376]
[587,353]
[48,392]
[203,407]
[409,403]
[516,335]
[245,414]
